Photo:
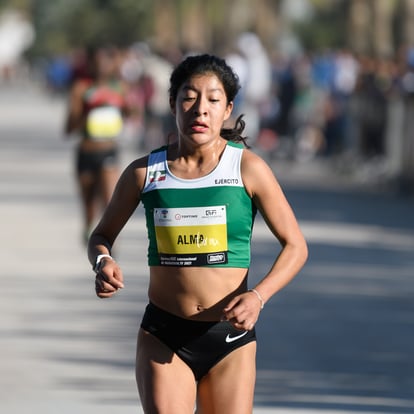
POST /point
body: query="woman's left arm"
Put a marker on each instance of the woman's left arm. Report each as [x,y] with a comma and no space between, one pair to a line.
[266,193]
[263,187]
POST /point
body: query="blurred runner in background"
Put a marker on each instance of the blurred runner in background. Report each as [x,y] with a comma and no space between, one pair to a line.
[96,110]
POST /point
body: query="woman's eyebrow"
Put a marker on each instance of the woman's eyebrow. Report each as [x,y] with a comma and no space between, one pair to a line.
[191,88]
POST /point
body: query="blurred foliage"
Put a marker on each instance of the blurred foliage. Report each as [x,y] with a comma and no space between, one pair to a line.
[63,24]
[329,27]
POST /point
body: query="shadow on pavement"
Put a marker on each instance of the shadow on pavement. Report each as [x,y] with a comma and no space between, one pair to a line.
[340,336]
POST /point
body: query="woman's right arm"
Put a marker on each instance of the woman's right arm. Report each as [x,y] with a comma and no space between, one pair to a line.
[124,201]
[75,117]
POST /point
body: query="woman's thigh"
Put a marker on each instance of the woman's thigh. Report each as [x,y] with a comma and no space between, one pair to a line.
[108,177]
[88,184]
[165,383]
[229,386]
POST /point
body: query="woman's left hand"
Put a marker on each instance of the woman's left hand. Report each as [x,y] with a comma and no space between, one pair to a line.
[243,311]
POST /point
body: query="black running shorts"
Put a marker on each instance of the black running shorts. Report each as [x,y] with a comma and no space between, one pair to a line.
[95,161]
[199,344]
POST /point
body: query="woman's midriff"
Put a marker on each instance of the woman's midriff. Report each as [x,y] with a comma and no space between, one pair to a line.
[196,293]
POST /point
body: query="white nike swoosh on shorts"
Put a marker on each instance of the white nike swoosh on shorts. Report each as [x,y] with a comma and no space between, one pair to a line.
[235,338]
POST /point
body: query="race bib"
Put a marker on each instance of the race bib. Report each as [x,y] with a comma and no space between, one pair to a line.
[191,236]
[104,123]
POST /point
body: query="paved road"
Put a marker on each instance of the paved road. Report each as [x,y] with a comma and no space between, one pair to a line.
[339,339]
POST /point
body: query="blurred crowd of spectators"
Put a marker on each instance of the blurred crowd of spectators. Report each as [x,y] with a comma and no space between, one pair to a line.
[330,104]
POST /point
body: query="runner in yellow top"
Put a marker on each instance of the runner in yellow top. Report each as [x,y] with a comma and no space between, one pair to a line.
[95,112]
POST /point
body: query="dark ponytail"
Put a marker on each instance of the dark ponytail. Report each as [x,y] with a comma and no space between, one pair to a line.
[235,134]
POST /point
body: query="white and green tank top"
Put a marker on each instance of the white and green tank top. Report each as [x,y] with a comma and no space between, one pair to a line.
[205,221]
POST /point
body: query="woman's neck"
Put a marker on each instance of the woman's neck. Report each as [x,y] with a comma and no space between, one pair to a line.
[195,162]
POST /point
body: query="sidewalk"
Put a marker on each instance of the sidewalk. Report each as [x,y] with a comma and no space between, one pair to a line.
[63,350]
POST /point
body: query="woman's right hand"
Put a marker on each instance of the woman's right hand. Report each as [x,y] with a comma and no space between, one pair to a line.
[109,279]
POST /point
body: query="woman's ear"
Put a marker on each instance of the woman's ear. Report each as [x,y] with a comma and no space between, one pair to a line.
[229,110]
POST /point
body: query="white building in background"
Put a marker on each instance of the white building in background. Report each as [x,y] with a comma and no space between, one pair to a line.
[16,36]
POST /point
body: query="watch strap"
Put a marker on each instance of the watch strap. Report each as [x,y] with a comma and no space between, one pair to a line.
[98,260]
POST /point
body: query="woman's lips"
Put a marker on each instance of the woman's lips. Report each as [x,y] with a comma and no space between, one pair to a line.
[199,127]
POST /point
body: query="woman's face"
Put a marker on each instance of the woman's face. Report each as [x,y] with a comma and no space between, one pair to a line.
[106,62]
[201,108]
